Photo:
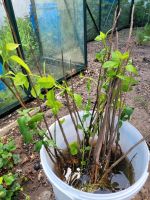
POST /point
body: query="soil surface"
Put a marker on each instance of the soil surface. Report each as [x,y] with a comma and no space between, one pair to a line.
[36,184]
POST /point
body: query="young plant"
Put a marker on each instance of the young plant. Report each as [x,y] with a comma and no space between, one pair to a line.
[96,151]
[7,156]
[9,181]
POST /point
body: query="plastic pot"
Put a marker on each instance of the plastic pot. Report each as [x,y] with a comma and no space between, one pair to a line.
[128,137]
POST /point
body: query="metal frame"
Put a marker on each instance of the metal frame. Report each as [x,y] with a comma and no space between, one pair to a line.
[13,25]
[85,32]
[94,22]
[16,37]
[100,13]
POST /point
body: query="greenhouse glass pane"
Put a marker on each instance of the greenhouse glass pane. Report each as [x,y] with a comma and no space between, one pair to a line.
[107,14]
[60,26]
[91,29]
[7,100]
[142,12]
[124,19]
[30,43]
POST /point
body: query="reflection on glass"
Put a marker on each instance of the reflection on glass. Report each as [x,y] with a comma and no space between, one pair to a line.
[91,29]
[6,96]
[107,14]
[60,28]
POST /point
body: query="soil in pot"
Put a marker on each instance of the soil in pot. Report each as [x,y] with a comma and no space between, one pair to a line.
[79,176]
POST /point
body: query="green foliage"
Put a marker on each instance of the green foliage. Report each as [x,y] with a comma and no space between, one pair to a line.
[27,36]
[20,79]
[74,148]
[11,46]
[101,37]
[114,80]
[28,125]
[20,62]
[141,13]
[46,82]
[100,56]
[126,114]
[7,157]
[143,35]
[52,102]
[78,100]
[9,185]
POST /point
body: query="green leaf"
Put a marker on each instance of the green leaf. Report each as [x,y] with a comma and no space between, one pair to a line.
[125,56]
[27,197]
[131,68]
[56,107]
[127,83]
[6,155]
[88,106]
[110,64]
[24,129]
[20,79]
[9,179]
[83,163]
[102,98]
[111,73]
[87,148]
[88,86]
[46,82]
[122,77]
[9,194]
[101,37]
[120,123]
[86,115]
[62,120]
[36,91]
[2,192]
[21,62]
[1,163]
[38,146]
[51,143]
[126,113]
[35,118]
[52,102]
[11,46]
[116,56]
[73,148]
[101,55]
[78,100]
[79,126]
[10,73]
[16,158]
[24,112]
[50,97]
[1,180]
[41,96]
[10,146]
[41,133]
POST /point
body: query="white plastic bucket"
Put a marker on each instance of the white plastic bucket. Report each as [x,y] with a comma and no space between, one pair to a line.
[128,137]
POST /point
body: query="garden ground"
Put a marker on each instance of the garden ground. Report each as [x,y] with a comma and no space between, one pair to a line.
[36,184]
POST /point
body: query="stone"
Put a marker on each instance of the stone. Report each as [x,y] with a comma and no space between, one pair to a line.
[45,195]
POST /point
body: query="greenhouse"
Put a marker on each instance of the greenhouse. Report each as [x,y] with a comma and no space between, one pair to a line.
[89,59]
